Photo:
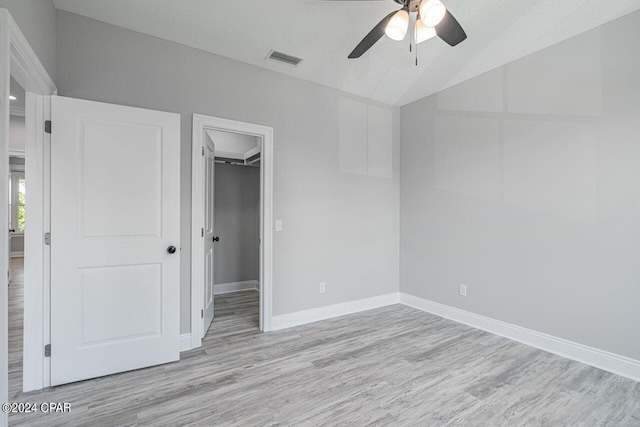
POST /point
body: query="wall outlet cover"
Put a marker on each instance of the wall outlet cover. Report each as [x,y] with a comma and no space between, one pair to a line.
[463,290]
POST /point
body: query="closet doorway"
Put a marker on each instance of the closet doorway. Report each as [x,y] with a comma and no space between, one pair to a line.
[231,225]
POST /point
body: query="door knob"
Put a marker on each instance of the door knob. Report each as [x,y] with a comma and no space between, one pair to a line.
[216,239]
[171,249]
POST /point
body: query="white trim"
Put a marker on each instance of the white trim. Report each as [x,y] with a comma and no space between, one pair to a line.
[26,68]
[20,61]
[252,152]
[185,342]
[5,43]
[17,153]
[36,372]
[611,362]
[619,365]
[17,254]
[202,123]
[225,288]
[17,111]
[290,320]
[229,155]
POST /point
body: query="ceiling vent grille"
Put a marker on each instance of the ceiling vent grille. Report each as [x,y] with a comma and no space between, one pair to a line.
[294,61]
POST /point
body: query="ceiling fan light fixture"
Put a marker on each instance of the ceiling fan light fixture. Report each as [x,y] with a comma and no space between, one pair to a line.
[398,25]
[423,32]
[432,12]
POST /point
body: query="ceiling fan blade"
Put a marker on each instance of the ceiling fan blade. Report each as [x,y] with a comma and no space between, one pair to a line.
[371,38]
[450,30]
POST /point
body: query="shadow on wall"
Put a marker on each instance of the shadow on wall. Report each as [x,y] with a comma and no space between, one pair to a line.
[528,134]
[524,184]
[237,223]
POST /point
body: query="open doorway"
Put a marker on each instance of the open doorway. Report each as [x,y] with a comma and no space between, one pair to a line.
[24,86]
[231,227]
[17,228]
[235,240]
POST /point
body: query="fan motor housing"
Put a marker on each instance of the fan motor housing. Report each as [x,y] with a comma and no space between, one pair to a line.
[412,5]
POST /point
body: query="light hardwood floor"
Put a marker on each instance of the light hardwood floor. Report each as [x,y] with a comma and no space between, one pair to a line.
[16,318]
[390,366]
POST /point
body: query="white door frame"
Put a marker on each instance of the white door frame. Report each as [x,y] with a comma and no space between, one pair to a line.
[18,59]
[200,124]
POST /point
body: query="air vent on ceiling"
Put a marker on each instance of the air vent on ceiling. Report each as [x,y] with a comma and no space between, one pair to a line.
[294,61]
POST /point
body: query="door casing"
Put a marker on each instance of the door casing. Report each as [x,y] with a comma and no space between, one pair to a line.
[20,61]
[201,123]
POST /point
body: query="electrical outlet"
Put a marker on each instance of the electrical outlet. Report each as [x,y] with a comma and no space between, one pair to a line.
[463,290]
[323,287]
[278,225]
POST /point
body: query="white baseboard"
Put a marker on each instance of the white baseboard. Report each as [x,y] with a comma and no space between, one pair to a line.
[225,288]
[614,363]
[185,342]
[284,321]
[17,254]
[601,359]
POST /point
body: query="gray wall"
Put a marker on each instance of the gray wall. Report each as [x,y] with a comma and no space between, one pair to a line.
[17,162]
[37,20]
[237,223]
[328,217]
[17,244]
[16,133]
[524,184]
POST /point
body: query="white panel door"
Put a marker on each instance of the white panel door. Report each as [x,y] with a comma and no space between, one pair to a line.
[115,230]
[209,236]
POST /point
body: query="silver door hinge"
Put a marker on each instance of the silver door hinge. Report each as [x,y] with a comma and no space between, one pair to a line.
[202,314]
[47,126]
[203,150]
[47,350]
[202,232]
[47,238]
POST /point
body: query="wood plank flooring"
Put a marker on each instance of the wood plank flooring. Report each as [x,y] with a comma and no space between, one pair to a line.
[390,366]
[16,320]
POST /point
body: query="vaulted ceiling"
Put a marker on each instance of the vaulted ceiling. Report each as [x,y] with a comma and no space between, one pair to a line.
[324,32]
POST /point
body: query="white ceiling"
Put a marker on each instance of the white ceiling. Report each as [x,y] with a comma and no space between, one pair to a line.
[325,32]
[234,145]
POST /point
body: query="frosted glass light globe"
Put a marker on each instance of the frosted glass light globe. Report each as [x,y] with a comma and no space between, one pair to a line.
[432,12]
[398,26]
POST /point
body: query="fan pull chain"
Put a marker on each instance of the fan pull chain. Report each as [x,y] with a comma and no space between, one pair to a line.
[415,38]
[416,54]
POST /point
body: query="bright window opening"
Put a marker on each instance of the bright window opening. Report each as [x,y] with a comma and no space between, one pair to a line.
[17,202]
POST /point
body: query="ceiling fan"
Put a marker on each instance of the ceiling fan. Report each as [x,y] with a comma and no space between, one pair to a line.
[432,19]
